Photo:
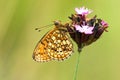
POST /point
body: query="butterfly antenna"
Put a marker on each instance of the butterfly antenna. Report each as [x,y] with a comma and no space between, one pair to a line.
[39,28]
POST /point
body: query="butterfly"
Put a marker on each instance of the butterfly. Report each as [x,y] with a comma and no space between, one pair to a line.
[54,45]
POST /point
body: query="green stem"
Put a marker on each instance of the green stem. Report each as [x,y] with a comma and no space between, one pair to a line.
[77,65]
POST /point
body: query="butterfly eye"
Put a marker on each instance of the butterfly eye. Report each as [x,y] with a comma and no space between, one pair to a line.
[57,23]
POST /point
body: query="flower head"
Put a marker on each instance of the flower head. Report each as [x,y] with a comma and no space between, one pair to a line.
[83,11]
[84,29]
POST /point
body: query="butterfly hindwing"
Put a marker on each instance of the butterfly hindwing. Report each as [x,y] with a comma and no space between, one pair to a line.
[59,45]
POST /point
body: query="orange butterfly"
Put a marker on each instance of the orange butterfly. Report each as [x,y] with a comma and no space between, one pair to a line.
[55,45]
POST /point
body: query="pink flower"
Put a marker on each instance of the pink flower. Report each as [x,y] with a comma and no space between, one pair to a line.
[84,29]
[104,23]
[83,11]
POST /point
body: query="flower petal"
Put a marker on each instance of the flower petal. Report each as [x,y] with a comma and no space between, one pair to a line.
[91,28]
[88,32]
[104,23]
[77,10]
[87,29]
[79,28]
[83,11]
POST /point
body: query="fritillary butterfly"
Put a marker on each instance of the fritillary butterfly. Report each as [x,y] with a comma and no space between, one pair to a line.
[55,45]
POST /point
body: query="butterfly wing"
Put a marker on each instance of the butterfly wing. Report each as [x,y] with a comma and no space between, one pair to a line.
[59,45]
[40,54]
[55,45]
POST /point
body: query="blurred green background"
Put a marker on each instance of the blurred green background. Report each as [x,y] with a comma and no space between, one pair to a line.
[19,18]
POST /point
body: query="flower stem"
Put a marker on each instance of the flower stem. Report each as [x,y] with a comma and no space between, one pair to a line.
[77,65]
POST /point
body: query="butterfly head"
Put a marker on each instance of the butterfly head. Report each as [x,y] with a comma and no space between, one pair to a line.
[57,22]
[59,25]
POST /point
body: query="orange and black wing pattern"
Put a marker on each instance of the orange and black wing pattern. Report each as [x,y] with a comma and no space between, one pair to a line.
[55,45]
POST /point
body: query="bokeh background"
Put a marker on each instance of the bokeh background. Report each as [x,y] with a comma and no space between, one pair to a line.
[19,18]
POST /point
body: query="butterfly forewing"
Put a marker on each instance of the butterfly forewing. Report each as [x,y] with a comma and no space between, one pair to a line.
[39,53]
[55,45]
